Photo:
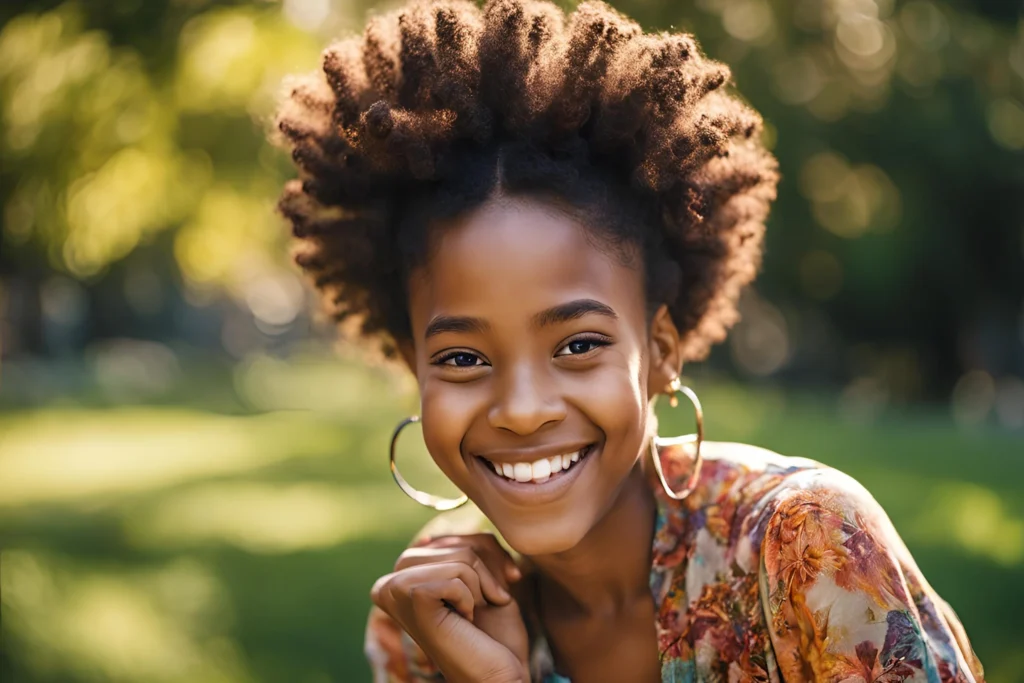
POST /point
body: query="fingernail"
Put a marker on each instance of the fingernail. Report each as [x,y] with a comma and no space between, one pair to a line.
[514,573]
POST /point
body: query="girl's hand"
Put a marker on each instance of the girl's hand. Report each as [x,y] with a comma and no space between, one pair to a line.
[452,596]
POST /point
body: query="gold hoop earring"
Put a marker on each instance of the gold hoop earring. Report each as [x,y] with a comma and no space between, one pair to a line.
[691,483]
[436,502]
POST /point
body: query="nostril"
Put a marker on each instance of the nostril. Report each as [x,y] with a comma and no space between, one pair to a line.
[525,399]
[526,419]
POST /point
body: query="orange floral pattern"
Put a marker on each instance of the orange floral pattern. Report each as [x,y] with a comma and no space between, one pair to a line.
[774,569]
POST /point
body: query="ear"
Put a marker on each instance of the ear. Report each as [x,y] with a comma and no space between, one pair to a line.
[407,350]
[665,353]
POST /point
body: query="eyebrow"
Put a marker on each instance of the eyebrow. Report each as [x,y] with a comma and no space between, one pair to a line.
[455,323]
[571,310]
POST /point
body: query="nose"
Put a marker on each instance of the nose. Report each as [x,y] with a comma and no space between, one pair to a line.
[525,403]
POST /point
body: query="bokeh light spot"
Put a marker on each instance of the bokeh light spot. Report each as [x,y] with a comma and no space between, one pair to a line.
[1006,122]
[760,342]
[973,397]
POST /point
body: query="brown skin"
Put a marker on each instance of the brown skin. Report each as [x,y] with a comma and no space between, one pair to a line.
[498,383]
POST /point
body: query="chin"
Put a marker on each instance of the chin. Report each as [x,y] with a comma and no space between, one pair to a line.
[543,538]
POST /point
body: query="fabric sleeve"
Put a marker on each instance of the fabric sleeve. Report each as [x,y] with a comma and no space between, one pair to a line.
[843,597]
[394,657]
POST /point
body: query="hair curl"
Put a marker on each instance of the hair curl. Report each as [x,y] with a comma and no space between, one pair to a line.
[442,104]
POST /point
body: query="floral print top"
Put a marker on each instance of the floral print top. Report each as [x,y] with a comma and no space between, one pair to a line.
[773,569]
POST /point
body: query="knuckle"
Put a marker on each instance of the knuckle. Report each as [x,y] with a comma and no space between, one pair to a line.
[469,557]
[419,596]
[408,556]
[422,592]
[383,594]
[442,542]
[480,567]
[378,589]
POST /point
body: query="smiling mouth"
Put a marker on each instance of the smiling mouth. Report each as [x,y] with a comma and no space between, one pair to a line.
[541,470]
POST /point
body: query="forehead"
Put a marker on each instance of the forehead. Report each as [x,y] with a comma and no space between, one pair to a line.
[511,258]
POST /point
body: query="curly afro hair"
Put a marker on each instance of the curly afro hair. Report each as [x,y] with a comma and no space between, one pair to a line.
[441,105]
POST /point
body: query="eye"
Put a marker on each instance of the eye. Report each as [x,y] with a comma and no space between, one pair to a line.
[582,346]
[460,359]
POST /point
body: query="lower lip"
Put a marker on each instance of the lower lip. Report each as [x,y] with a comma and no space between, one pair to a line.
[536,493]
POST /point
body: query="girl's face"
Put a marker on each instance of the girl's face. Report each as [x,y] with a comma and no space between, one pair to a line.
[534,358]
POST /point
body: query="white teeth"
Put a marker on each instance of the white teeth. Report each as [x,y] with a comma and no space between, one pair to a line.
[539,471]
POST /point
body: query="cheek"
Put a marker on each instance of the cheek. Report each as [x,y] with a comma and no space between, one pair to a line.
[447,412]
[614,399]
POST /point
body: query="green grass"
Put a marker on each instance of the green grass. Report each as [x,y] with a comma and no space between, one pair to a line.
[229,529]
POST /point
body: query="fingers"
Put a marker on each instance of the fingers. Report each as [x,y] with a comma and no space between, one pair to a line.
[427,588]
[452,593]
[440,594]
[494,590]
[488,548]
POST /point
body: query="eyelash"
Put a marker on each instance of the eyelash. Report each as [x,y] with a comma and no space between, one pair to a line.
[595,340]
[443,360]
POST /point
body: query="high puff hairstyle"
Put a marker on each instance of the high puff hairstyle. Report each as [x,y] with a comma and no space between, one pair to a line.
[441,105]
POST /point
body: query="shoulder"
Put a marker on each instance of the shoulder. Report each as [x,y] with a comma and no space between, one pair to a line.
[843,595]
[728,467]
[758,481]
[723,521]
[733,476]
[812,523]
[824,525]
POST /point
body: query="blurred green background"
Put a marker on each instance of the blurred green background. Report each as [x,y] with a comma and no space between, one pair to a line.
[192,473]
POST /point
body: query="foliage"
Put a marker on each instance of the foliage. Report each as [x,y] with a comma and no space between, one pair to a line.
[896,241]
[108,145]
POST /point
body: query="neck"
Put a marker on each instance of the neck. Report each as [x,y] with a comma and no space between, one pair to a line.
[609,570]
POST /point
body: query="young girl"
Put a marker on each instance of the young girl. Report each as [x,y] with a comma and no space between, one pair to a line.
[545,217]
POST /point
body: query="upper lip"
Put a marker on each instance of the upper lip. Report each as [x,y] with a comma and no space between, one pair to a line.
[531,455]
